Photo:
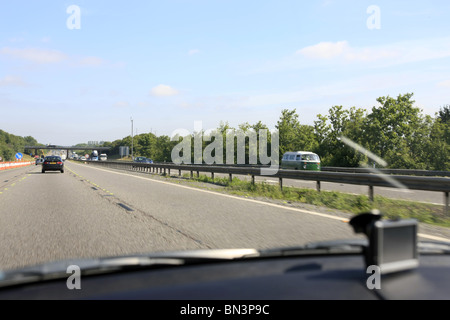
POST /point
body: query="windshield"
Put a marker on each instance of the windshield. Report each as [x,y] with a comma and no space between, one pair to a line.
[310,157]
[217,94]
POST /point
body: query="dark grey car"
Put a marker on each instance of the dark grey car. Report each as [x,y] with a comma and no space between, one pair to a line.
[53,163]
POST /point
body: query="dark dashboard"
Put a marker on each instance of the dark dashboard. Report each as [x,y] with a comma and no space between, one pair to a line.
[333,277]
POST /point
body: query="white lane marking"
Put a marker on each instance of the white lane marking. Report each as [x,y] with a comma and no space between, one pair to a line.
[253,201]
[432,237]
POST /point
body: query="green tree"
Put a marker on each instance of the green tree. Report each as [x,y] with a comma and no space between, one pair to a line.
[329,130]
[288,128]
[438,146]
[390,128]
[444,114]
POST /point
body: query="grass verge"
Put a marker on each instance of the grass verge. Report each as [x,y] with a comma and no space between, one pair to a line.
[355,204]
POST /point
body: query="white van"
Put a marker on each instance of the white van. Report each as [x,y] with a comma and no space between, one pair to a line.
[103,157]
[300,160]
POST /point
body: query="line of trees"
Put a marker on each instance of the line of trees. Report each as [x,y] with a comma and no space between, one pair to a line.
[11,144]
[395,130]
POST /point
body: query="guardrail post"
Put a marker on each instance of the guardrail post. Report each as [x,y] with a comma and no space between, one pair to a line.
[179,172]
[168,170]
[318,186]
[164,171]
[230,178]
[192,174]
[253,179]
[371,193]
[280,180]
[446,201]
[198,174]
[212,175]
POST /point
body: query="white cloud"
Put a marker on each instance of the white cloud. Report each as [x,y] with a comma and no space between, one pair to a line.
[12,81]
[46,56]
[390,54]
[163,90]
[193,51]
[342,54]
[121,104]
[36,55]
[91,61]
[445,84]
[143,104]
[16,40]
[324,50]
[327,3]
[341,49]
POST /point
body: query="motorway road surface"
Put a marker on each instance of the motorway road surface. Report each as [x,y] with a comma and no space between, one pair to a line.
[90,211]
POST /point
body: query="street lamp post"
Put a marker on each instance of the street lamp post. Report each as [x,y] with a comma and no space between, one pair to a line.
[132,139]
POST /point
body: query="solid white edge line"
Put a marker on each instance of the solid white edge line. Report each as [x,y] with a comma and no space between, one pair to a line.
[254,201]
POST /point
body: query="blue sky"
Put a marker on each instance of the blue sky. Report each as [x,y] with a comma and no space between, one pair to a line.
[166,64]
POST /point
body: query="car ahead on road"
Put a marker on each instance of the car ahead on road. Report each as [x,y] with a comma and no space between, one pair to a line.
[142,160]
[53,163]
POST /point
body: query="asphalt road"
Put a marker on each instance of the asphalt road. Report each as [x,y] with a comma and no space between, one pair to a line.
[90,212]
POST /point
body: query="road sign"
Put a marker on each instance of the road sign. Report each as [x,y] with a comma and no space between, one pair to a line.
[19,156]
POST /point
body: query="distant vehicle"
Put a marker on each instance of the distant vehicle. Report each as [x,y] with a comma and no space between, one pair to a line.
[94,155]
[142,160]
[83,158]
[301,160]
[39,161]
[53,163]
[103,157]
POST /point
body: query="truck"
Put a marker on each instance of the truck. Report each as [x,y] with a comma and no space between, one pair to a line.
[94,155]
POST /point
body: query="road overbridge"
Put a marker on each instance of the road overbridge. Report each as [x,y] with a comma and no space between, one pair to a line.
[66,148]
